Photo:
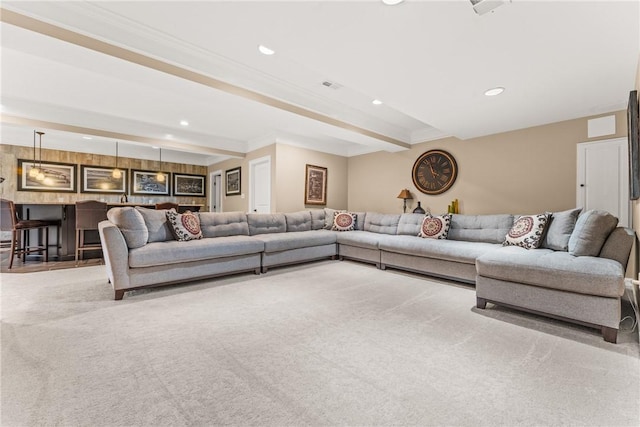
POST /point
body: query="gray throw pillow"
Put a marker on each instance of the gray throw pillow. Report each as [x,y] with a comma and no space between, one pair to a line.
[157,224]
[591,230]
[559,230]
[131,225]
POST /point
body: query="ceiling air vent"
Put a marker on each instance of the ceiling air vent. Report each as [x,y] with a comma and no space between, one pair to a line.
[483,6]
[332,85]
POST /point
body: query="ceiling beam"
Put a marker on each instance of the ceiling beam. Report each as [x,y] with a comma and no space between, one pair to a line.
[179,146]
[78,39]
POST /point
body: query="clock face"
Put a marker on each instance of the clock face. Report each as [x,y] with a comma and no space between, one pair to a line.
[434,172]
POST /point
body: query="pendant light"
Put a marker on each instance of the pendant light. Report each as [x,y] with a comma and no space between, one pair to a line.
[33,172]
[116,173]
[160,175]
[40,176]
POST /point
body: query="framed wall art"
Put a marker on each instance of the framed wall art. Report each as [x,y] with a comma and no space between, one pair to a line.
[189,185]
[46,176]
[147,182]
[315,185]
[98,179]
[233,181]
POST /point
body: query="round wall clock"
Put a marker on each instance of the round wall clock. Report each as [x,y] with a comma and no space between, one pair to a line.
[434,172]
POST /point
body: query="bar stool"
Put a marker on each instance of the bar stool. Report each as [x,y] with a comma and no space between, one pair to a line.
[19,244]
[88,214]
[167,205]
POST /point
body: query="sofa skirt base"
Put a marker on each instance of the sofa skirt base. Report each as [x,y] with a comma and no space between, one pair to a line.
[430,266]
[359,254]
[589,310]
[295,256]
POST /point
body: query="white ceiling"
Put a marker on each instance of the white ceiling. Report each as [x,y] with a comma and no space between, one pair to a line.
[429,61]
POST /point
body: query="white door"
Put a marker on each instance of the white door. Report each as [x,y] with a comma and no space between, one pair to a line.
[215,193]
[603,178]
[260,185]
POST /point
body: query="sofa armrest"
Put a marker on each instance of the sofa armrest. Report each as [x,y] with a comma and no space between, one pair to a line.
[618,246]
[116,255]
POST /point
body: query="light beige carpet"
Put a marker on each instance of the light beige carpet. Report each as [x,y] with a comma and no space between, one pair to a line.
[329,343]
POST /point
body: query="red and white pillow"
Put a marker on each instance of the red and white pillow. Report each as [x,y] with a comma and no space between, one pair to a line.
[185,226]
[527,231]
[344,221]
[435,227]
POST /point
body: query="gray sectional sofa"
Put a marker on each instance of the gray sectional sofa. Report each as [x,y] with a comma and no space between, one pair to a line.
[577,274]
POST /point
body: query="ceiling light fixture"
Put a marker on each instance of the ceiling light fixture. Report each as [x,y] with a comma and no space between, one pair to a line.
[376,102]
[392,2]
[494,91]
[33,172]
[86,137]
[265,50]
[40,176]
[116,173]
[184,123]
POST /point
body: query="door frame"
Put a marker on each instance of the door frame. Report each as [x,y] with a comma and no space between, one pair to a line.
[213,200]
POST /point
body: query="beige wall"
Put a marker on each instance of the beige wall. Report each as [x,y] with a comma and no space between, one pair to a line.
[9,155]
[287,178]
[525,171]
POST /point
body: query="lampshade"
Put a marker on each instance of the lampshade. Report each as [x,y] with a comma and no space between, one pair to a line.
[116,173]
[405,194]
[160,175]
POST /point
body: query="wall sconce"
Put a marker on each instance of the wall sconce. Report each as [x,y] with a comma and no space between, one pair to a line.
[404,195]
[116,173]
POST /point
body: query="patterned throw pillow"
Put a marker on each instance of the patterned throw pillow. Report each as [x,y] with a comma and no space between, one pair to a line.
[527,231]
[344,221]
[184,226]
[435,227]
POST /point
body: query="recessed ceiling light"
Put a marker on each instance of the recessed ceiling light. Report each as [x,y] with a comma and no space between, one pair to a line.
[265,50]
[494,91]
[184,123]
[392,2]
[86,137]
[376,102]
[168,136]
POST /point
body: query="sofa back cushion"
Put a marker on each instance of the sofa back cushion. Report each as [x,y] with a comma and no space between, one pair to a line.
[221,224]
[131,225]
[410,223]
[360,220]
[329,215]
[266,223]
[317,219]
[298,221]
[381,223]
[480,228]
[591,230]
[618,245]
[157,224]
[559,230]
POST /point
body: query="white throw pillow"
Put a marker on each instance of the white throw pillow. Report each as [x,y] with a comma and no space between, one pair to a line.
[527,231]
[184,226]
[435,227]
[344,221]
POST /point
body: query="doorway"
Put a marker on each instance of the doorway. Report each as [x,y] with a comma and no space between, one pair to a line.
[260,185]
[215,191]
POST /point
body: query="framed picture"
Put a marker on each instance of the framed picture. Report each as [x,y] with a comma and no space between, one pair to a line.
[233,181]
[147,182]
[189,185]
[633,135]
[98,179]
[315,185]
[57,177]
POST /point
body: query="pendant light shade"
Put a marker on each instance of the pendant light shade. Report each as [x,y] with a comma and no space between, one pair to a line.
[116,173]
[160,175]
[40,175]
[33,172]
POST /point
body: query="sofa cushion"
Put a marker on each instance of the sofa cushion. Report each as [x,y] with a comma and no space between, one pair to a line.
[409,224]
[381,223]
[559,229]
[435,227]
[266,223]
[591,230]
[298,221]
[328,217]
[317,219]
[554,269]
[173,252]
[344,221]
[448,250]
[278,242]
[360,219]
[185,226]
[221,224]
[618,245]
[157,224]
[527,231]
[480,228]
[131,225]
[360,239]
